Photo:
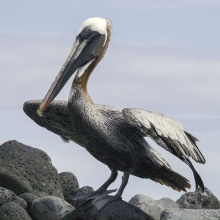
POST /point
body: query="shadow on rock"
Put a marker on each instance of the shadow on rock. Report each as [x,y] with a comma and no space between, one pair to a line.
[114,210]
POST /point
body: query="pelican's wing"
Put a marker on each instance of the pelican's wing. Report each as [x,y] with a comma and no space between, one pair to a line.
[165,131]
[55,118]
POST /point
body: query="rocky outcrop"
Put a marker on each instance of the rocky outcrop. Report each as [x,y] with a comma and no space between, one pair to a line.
[9,196]
[199,200]
[50,208]
[69,184]
[154,208]
[29,198]
[27,169]
[70,187]
[190,214]
[117,210]
[166,203]
[191,205]
[31,188]
[195,205]
[12,210]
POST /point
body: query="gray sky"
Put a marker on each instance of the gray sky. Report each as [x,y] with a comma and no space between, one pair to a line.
[164,56]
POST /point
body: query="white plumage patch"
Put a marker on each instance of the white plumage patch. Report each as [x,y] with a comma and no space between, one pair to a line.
[82,69]
[96,24]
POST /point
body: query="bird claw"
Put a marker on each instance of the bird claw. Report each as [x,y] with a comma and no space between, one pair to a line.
[94,199]
[91,195]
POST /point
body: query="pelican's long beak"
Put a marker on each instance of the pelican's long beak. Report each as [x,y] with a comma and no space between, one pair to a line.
[83,51]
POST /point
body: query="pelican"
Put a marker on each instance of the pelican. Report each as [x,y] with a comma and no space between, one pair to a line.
[115,138]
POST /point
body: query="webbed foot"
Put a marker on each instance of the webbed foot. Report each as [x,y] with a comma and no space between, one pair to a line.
[94,199]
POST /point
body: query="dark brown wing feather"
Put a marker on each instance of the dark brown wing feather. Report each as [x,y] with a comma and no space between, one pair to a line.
[55,118]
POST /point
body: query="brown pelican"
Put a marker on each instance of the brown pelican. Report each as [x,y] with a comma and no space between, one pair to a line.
[116,138]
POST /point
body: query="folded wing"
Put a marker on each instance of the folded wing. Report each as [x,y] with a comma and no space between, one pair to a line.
[55,118]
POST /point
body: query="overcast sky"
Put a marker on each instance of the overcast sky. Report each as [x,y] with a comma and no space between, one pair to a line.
[164,56]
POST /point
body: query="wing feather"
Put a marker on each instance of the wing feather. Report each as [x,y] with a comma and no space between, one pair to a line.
[55,118]
[165,131]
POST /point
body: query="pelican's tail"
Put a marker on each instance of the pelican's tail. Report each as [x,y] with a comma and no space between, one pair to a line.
[172,179]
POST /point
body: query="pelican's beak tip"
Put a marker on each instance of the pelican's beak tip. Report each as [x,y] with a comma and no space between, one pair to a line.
[39,112]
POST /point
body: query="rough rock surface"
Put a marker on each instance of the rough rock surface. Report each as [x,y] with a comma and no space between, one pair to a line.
[27,169]
[13,211]
[28,172]
[85,189]
[199,200]
[191,214]
[50,208]
[114,210]
[29,198]
[152,207]
[146,204]
[9,196]
[69,184]
[166,203]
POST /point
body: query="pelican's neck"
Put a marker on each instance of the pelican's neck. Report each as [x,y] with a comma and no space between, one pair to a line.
[82,76]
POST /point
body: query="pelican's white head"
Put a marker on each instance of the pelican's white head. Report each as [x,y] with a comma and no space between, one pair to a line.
[96,24]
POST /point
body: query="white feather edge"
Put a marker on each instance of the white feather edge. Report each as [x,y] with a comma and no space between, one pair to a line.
[96,24]
[164,127]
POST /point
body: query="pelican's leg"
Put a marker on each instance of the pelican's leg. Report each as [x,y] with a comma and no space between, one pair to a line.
[109,181]
[125,178]
[100,192]
[103,199]
[100,197]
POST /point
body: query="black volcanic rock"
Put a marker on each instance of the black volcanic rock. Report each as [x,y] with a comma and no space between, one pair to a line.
[194,205]
[190,214]
[29,198]
[199,200]
[13,211]
[152,207]
[70,187]
[115,210]
[69,183]
[30,188]
[50,208]
[27,169]
[7,195]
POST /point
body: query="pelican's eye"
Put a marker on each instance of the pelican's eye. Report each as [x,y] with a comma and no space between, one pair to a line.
[85,33]
[87,28]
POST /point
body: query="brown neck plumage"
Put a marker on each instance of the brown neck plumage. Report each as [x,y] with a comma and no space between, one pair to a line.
[81,82]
